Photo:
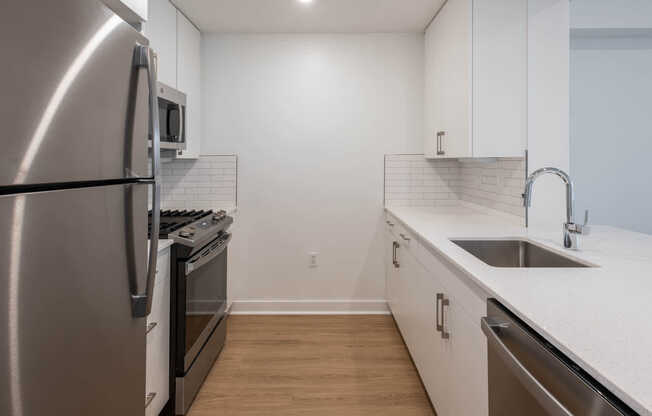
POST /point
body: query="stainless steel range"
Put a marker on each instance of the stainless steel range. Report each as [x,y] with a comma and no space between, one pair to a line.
[198,298]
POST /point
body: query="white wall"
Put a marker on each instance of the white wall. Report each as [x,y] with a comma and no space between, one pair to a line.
[611,128]
[611,14]
[310,118]
[548,105]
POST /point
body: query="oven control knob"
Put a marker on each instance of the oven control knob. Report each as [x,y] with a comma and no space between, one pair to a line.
[216,218]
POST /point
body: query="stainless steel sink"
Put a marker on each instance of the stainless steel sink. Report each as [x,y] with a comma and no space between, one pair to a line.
[515,253]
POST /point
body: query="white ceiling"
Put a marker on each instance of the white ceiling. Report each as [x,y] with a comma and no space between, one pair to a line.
[319,16]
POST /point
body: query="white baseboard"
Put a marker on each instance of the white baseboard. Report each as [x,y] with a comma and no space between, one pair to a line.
[309,307]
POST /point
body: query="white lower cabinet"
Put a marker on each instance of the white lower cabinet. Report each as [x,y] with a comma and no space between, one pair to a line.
[158,340]
[466,352]
[390,270]
[453,368]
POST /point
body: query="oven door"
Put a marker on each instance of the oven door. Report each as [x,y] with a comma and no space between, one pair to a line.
[204,300]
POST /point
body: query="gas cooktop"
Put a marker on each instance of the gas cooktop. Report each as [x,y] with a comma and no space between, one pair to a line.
[191,227]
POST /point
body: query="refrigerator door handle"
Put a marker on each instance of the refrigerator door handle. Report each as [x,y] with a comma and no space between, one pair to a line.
[141,303]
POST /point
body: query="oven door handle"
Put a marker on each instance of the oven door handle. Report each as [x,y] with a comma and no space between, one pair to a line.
[199,260]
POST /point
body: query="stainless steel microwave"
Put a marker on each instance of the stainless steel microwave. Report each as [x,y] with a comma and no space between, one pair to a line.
[172,117]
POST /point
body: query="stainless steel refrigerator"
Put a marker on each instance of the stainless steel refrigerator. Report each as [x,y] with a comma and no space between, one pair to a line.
[77,87]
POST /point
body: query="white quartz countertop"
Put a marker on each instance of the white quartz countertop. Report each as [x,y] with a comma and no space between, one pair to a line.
[600,317]
[162,245]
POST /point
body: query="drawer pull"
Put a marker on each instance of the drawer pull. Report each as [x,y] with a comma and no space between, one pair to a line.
[151,326]
[149,399]
[405,237]
[395,247]
[441,301]
[391,224]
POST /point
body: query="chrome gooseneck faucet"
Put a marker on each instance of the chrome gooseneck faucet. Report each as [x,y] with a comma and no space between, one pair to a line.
[572,231]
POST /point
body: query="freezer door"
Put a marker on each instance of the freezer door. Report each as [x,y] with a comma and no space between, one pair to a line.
[68,263]
[74,106]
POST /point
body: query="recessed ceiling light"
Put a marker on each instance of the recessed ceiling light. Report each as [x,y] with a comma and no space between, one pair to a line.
[305,1]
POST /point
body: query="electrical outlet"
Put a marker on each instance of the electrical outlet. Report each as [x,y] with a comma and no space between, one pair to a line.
[313,259]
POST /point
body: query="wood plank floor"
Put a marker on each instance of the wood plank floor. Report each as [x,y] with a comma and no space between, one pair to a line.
[312,365]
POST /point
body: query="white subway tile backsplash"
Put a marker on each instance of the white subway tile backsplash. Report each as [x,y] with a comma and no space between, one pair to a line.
[209,182]
[412,180]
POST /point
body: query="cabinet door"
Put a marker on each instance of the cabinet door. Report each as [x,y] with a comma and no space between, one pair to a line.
[161,30]
[158,339]
[431,117]
[455,41]
[390,269]
[499,78]
[449,79]
[189,81]
[429,351]
[465,358]
[398,291]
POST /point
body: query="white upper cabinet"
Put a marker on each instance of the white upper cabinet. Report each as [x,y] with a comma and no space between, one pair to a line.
[189,81]
[448,82]
[161,30]
[499,78]
[177,42]
[476,85]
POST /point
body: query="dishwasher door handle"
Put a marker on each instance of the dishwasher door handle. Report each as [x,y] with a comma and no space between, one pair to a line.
[538,391]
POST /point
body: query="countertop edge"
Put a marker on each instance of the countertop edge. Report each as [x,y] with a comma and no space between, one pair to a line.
[164,244]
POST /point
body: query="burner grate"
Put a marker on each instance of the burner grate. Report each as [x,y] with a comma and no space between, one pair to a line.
[173,220]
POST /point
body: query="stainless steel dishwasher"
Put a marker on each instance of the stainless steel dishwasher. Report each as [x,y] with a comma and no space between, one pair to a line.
[529,376]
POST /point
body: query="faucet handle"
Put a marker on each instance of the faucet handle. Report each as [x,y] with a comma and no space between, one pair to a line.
[586,228]
[583,229]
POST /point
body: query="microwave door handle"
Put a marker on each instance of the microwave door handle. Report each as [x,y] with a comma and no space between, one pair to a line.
[538,390]
[142,302]
[182,123]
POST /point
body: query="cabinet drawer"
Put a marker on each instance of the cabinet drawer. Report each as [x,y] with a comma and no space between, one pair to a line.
[403,236]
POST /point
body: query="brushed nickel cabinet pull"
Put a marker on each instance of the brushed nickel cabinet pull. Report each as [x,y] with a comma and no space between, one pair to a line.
[444,334]
[395,247]
[440,143]
[438,299]
[151,326]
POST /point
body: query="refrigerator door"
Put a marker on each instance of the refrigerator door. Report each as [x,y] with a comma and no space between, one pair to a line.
[69,263]
[74,106]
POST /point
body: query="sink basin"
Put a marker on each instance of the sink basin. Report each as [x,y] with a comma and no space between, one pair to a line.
[515,253]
